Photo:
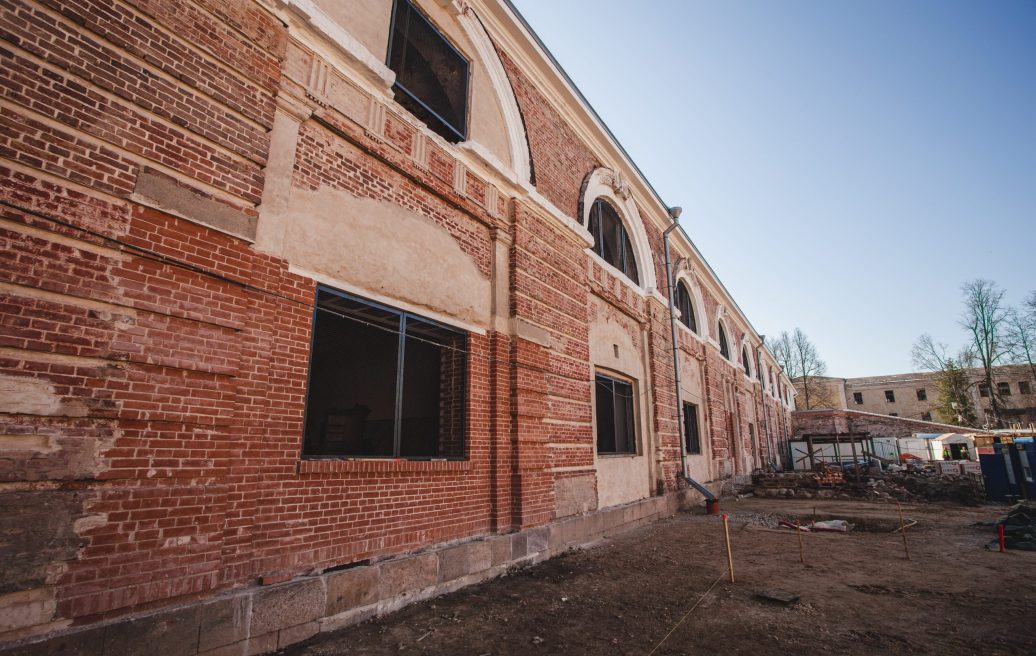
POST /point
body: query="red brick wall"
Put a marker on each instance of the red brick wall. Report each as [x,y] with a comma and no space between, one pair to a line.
[168,361]
[828,421]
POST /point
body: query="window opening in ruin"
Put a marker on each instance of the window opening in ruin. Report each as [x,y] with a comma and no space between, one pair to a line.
[724,348]
[890,396]
[431,74]
[926,416]
[685,306]
[858,398]
[383,383]
[893,414]
[1024,387]
[983,390]
[922,394]
[615,426]
[611,241]
[691,434]
[1003,388]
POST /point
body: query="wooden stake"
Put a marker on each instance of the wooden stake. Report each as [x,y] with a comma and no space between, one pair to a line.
[802,554]
[730,554]
[902,529]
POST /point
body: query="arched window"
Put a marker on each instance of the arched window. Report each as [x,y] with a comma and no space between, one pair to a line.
[724,348]
[745,361]
[686,306]
[611,241]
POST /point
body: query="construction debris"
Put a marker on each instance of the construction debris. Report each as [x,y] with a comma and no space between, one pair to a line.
[1019,528]
[829,482]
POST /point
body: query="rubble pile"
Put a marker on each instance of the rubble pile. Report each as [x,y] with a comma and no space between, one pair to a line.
[827,482]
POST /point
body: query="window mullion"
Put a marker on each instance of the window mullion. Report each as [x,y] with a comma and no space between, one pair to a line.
[397,422]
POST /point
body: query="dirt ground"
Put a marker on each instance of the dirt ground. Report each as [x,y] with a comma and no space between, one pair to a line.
[858,593]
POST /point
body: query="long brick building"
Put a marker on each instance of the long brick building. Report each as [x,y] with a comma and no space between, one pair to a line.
[313,308]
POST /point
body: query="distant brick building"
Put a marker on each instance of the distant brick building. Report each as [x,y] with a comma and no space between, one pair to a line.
[914,396]
[294,289]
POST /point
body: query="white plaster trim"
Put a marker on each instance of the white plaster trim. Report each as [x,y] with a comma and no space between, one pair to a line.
[560,217]
[344,42]
[604,183]
[623,278]
[344,286]
[494,68]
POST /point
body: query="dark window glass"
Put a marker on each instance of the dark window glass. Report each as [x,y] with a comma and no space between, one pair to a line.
[922,394]
[724,348]
[615,433]
[611,241]
[1024,387]
[927,416]
[690,429]
[746,362]
[983,390]
[431,75]
[383,383]
[685,306]
[1003,389]
[858,398]
[890,396]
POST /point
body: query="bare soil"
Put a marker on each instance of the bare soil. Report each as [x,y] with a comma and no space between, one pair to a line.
[858,592]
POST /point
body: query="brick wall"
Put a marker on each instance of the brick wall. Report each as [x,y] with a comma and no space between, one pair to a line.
[823,422]
[154,363]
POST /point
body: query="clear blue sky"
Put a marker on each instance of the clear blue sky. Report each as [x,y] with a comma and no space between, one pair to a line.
[842,166]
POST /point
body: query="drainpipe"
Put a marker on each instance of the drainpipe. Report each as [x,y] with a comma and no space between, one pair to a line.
[762,398]
[674,214]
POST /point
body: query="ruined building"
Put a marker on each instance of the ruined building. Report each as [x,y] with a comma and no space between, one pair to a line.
[915,396]
[311,308]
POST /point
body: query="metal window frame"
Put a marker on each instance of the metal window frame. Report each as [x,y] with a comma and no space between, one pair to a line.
[697,429]
[622,237]
[462,134]
[634,438]
[397,427]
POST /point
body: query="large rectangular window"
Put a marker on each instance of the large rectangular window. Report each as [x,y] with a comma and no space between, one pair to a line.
[615,423]
[691,435]
[431,75]
[383,383]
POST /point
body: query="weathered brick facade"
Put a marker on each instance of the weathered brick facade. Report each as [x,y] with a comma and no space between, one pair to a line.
[176,179]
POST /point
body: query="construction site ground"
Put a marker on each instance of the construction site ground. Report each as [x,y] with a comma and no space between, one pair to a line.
[858,593]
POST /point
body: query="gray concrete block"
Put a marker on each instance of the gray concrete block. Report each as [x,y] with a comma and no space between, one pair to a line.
[262,644]
[293,634]
[86,642]
[453,562]
[538,539]
[351,588]
[480,557]
[223,622]
[408,574]
[287,604]
[500,548]
[236,649]
[176,631]
[519,545]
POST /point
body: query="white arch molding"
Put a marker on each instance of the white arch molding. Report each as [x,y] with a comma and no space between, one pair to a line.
[690,280]
[490,59]
[608,184]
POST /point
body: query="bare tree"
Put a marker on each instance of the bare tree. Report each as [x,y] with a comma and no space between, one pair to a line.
[1020,333]
[799,359]
[953,403]
[985,319]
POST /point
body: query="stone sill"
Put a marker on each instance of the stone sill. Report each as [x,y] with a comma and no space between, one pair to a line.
[388,465]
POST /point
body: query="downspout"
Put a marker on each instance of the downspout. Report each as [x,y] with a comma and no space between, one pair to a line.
[674,214]
[770,442]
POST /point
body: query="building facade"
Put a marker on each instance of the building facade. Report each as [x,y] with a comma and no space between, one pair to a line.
[914,396]
[322,293]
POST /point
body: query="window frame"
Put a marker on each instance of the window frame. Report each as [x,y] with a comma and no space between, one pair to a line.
[922,394]
[625,246]
[697,429]
[1024,388]
[890,396]
[858,398]
[462,134]
[688,319]
[723,341]
[633,441]
[1003,385]
[400,372]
